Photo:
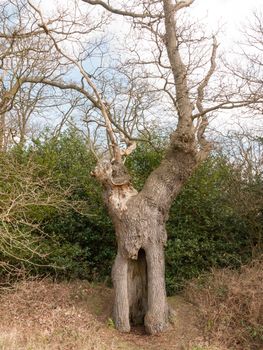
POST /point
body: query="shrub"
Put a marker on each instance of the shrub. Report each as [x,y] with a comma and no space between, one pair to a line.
[216,221]
[81,242]
[26,200]
[231,306]
[207,227]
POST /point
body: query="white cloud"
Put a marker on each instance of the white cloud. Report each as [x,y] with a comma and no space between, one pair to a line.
[231,13]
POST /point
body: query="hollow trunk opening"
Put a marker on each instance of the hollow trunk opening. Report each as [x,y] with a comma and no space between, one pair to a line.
[137,288]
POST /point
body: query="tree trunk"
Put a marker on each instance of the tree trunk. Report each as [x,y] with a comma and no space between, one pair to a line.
[130,287]
[139,219]
[139,283]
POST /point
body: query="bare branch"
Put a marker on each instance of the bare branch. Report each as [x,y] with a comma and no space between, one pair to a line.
[205,81]
[121,12]
[204,144]
[178,68]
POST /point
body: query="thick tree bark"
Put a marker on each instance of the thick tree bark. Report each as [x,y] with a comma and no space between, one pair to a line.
[138,273]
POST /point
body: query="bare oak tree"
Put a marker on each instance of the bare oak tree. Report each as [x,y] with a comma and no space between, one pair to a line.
[140,217]
[184,68]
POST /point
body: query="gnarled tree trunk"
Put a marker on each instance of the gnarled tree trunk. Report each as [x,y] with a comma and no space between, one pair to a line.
[138,273]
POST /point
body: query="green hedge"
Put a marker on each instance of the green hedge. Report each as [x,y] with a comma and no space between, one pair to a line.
[208,225]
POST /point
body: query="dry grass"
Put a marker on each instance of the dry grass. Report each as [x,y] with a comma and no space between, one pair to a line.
[42,315]
[231,307]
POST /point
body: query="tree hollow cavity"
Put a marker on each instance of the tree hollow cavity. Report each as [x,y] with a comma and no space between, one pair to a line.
[137,288]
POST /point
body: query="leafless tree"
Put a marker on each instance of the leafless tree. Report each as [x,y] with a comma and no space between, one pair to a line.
[247,67]
[25,51]
[175,77]
[184,67]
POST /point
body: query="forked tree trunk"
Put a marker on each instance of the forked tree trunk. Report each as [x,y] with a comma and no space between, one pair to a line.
[139,219]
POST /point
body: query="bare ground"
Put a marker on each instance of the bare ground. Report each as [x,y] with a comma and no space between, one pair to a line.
[42,315]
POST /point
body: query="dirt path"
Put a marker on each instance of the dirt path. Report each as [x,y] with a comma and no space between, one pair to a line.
[42,315]
[181,335]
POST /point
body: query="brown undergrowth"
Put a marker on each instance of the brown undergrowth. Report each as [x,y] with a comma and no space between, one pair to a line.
[43,315]
[231,306]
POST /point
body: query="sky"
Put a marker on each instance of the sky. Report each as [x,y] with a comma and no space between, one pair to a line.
[230,15]
[233,14]
[230,12]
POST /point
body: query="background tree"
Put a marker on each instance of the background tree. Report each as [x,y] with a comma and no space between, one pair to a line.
[246,65]
[25,53]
